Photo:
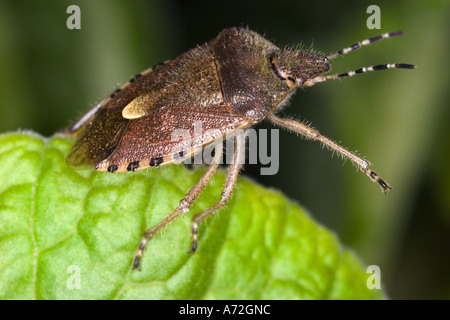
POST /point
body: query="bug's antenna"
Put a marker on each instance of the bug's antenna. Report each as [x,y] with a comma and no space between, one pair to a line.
[354,47]
[365,42]
[385,66]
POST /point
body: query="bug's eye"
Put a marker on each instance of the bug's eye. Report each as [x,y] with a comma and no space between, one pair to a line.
[275,69]
[290,77]
[284,73]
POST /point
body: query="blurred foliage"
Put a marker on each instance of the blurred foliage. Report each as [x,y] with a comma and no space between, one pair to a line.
[398,119]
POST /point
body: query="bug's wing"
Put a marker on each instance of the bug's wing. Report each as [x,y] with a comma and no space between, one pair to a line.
[160,137]
[99,138]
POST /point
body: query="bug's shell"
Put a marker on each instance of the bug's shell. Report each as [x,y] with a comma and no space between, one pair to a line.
[227,84]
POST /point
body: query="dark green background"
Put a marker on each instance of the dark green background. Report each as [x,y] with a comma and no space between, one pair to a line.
[398,119]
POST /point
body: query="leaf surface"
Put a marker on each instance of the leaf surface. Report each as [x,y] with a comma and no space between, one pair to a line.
[68,234]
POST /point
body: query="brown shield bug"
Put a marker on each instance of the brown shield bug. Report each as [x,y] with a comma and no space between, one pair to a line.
[231,82]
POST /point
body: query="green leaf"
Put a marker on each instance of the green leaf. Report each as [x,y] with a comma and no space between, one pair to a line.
[58,226]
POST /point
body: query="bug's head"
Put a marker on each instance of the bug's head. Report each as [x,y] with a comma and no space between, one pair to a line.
[299,67]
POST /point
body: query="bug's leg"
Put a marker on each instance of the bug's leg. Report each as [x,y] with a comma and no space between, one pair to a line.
[184,205]
[230,182]
[313,134]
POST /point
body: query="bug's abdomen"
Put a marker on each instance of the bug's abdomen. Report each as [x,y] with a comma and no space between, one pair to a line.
[171,134]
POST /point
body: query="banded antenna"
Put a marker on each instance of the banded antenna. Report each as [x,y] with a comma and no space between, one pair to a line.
[354,47]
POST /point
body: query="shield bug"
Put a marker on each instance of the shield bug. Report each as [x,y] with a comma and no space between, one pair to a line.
[229,83]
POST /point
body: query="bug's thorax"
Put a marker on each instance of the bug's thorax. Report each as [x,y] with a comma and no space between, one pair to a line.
[256,76]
